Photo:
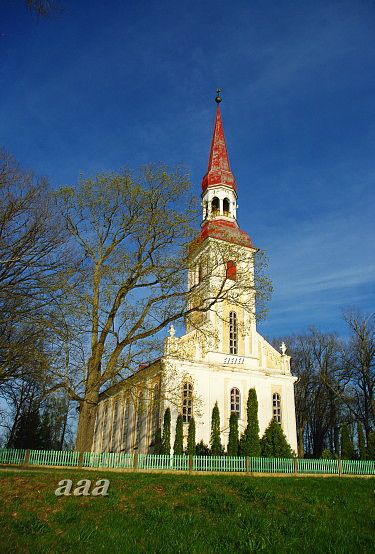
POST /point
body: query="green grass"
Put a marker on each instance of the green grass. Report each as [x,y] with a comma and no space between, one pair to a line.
[183,513]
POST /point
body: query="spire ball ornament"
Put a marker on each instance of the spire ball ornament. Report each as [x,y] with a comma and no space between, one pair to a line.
[218,98]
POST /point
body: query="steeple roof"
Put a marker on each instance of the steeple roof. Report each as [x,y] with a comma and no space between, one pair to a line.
[218,171]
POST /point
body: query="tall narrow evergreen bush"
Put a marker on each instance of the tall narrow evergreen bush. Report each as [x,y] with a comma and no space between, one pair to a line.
[158,446]
[233,435]
[216,447]
[178,447]
[191,438]
[274,443]
[347,446]
[166,440]
[250,442]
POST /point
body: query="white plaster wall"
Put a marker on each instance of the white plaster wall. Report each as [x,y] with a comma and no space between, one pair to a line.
[213,383]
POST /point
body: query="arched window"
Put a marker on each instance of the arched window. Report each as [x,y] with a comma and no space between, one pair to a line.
[235,401]
[114,443]
[226,207]
[233,333]
[125,429]
[276,406]
[155,412]
[187,402]
[215,206]
[138,428]
[200,272]
[231,272]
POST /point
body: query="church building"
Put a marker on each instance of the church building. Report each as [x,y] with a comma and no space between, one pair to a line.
[221,356]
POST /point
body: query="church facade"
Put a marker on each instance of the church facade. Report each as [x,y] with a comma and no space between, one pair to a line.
[221,356]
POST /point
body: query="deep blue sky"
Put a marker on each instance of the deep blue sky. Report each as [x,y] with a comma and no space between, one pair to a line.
[118,83]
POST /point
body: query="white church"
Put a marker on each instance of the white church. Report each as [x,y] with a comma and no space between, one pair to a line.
[221,355]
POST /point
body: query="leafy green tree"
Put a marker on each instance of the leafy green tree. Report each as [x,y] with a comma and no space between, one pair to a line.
[202,449]
[166,439]
[191,438]
[216,446]
[233,435]
[274,443]
[362,450]
[250,442]
[132,233]
[158,446]
[347,446]
[371,446]
[178,447]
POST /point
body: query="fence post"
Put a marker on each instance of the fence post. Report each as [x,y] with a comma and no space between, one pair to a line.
[80,459]
[135,461]
[295,463]
[190,463]
[247,464]
[27,457]
[339,467]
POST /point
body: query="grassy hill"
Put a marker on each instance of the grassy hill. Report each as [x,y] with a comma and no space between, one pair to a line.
[183,513]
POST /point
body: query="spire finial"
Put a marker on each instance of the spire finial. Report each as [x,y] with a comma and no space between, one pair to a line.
[218,99]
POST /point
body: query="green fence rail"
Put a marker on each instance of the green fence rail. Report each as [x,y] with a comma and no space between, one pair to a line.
[12,456]
[108,459]
[186,463]
[53,458]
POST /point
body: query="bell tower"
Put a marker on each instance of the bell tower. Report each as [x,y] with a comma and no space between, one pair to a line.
[221,274]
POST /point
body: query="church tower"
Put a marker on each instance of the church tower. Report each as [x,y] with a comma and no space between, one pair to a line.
[222,262]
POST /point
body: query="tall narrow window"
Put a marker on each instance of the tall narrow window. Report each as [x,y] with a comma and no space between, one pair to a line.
[138,428]
[235,401]
[233,333]
[200,272]
[187,402]
[231,271]
[276,406]
[155,412]
[114,443]
[125,428]
[105,430]
[226,209]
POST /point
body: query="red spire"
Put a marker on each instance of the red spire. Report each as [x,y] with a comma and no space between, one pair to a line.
[218,171]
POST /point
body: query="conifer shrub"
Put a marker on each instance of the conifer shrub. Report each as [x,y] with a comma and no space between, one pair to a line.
[158,446]
[274,443]
[233,435]
[191,448]
[202,449]
[166,440]
[347,446]
[250,442]
[216,446]
[178,447]
[327,455]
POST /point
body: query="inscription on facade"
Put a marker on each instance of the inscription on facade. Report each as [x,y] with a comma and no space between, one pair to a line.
[234,360]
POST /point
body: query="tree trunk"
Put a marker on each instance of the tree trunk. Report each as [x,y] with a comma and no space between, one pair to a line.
[86,422]
[301,448]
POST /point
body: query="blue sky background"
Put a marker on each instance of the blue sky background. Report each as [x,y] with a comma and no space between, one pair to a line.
[117,83]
